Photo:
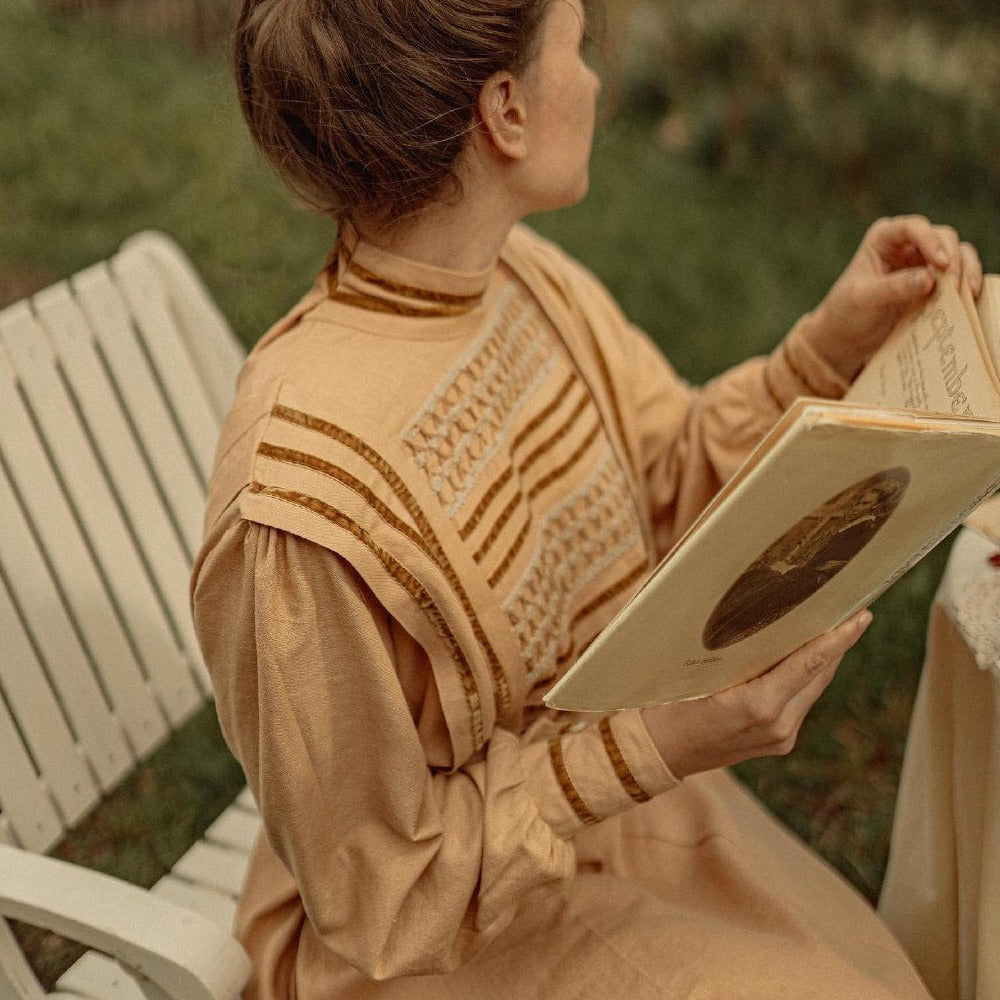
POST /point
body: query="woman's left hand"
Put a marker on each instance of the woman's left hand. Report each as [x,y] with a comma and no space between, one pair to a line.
[891,271]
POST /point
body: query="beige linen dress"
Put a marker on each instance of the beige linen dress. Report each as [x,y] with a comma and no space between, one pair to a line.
[434,489]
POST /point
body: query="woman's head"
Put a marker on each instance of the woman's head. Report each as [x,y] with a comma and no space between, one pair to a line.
[364,106]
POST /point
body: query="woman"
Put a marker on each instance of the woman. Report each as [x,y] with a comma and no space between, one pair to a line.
[446,469]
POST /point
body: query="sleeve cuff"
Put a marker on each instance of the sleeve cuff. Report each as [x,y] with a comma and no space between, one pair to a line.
[595,770]
[796,368]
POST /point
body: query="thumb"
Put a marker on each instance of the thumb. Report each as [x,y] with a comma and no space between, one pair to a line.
[898,288]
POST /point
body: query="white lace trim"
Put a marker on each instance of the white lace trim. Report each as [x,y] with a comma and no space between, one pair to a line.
[977,614]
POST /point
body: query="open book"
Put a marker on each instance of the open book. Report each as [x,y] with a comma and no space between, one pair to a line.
[834,505]
[944,357]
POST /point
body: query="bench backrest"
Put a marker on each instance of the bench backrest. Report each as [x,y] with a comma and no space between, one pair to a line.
[113,386]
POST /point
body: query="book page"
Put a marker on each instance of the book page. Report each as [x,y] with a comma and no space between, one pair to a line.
[988,308]
[933,360]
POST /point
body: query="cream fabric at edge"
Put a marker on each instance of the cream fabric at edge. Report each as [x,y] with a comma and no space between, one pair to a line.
[942,887]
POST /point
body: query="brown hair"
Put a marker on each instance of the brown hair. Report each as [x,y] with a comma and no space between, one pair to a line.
[363,106]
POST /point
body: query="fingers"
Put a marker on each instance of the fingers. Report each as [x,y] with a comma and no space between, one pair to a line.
[755,719]
[905,239]
[896,289]
[798,706]
[963,259]
[972,267]
[783,697]
[794,673]
[775,733]
[948,241]
[905,242]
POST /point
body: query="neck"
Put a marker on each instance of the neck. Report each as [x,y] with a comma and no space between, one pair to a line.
[465,234]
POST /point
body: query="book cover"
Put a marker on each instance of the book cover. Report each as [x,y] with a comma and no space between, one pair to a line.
[835,504]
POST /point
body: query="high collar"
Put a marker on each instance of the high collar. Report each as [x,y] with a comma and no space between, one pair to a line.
[367,277]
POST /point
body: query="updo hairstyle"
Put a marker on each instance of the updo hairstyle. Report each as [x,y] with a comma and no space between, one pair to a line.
[363,106]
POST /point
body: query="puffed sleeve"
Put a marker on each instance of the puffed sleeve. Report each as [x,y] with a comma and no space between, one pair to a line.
[405,864]
[691,440]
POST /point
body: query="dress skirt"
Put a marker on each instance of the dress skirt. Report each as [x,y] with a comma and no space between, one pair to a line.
[698,894]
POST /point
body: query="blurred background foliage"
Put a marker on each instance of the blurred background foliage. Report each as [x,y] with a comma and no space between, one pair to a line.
[747,146]
[829,94]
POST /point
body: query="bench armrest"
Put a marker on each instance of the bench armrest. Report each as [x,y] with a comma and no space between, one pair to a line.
[182,953]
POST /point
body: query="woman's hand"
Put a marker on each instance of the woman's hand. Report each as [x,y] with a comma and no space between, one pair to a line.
[892,269]
[760,718]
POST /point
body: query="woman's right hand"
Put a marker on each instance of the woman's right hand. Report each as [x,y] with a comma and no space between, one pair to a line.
[759,718]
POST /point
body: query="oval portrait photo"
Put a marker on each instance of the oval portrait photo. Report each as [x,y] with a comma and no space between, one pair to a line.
[805,558]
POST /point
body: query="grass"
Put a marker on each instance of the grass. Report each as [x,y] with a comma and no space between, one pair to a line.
[107,131]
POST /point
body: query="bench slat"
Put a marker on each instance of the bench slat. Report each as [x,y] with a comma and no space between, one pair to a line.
[235,828]
[96,977]
[129,368]
[53,522]
[217,867]
[165,346]
[44,730]
[126,463]
[53,635]
[216,354]
[218,907]
[25,806]
[137,602]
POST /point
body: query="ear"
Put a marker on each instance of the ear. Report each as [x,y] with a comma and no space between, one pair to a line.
[503,113]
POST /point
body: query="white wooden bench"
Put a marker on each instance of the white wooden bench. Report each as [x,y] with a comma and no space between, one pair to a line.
[112,389]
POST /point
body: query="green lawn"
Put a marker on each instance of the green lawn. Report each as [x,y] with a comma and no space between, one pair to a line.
[104,133]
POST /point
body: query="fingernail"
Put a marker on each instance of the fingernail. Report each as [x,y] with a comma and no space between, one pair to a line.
[864,620]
